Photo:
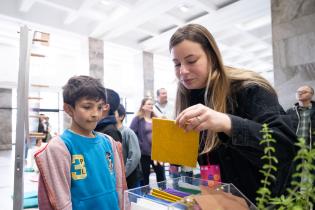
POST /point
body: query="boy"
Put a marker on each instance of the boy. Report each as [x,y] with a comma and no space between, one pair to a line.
[131,150]
[108,124]
[81,169]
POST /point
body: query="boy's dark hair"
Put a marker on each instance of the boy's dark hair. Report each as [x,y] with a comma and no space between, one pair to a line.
[113,99]
[121,110]
[82,86]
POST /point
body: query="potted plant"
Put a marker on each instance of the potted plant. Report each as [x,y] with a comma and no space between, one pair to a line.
[301,194]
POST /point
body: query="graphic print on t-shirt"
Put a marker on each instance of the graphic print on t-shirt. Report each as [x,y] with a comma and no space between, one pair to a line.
[79,167]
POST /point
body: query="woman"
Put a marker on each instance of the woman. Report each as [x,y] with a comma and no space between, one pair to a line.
[228,106]
[142,126]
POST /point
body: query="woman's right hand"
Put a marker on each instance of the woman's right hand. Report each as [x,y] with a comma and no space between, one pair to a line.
[200,117]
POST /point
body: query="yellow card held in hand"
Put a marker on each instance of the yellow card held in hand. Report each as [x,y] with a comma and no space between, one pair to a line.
[172,144]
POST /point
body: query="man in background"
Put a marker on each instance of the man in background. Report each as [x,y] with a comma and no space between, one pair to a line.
[303,114]
[162,108]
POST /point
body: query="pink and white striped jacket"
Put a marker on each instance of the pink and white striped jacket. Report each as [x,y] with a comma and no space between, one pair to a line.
[54,164]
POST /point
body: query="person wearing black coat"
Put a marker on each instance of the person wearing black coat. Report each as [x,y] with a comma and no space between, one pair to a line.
[108,124]
[303,114]
[228,106]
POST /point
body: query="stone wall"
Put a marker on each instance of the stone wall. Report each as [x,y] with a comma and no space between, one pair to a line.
[96,58]
[293,33]
[148,74]
[6,119]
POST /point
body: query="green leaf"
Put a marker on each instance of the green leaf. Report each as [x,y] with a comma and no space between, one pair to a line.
[266,157]
[263,191]
[265,182]
[269,149]
[271,167]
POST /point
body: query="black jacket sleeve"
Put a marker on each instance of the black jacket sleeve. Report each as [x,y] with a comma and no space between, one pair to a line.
[254,106]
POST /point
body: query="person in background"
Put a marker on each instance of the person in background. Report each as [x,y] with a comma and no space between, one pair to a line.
[48,129]
[162,107]
[142,125]
[131,150]
[228,107]
[42,127]
[81,169]
[41,123]
[303,114]
[108,124]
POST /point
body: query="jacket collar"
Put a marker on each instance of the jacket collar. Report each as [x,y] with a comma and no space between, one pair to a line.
[296,105]
[109,120]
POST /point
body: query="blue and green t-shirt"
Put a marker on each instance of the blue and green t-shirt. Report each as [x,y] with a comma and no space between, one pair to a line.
[93,181]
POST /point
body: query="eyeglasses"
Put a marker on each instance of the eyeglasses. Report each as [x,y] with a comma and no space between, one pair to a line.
[302,92]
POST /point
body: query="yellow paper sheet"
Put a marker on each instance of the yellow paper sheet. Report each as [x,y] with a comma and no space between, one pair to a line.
[172,144]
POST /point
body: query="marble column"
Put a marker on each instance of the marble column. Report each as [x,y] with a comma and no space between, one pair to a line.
[293,34]
[6,119]
[96,58]
[148,74]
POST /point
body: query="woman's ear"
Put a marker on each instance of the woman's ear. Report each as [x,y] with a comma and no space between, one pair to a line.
[68,109]
[106,108]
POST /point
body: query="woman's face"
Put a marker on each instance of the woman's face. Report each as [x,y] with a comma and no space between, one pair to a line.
[191,64]
[148,106]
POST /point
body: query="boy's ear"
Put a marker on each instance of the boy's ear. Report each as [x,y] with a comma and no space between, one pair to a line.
[68,109]
[106,108]
[121,118]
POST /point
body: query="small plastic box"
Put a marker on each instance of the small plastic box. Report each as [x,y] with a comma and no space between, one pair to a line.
[140,199]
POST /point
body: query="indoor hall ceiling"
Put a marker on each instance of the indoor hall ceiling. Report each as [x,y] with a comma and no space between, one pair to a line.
[242,28]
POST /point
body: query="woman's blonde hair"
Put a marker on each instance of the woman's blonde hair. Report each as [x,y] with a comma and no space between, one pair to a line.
[140,112]
[220,78]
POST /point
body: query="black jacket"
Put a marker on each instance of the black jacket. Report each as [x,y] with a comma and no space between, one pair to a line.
[295,117]
[239,155]
[108,126]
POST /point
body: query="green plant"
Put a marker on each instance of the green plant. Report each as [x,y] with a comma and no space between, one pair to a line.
[268,167]
[301,195]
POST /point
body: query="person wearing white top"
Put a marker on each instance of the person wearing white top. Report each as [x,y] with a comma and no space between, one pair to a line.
[162,107]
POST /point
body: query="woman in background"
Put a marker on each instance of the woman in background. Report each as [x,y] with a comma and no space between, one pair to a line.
[142,126]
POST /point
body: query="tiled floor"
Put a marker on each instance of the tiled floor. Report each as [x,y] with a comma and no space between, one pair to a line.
[7,180]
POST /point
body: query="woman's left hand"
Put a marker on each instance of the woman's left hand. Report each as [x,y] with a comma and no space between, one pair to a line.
[200,117]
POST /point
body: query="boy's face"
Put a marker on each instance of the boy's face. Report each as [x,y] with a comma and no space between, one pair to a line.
[118,118]
[86,114]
